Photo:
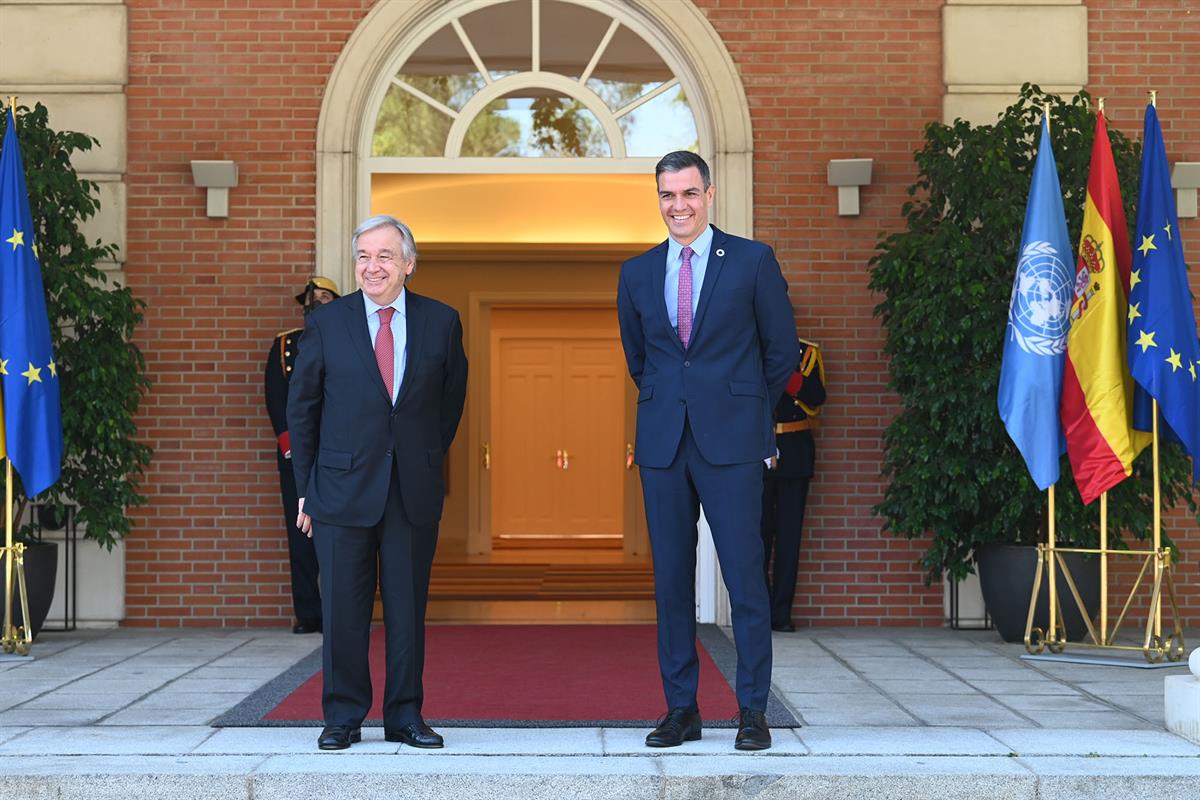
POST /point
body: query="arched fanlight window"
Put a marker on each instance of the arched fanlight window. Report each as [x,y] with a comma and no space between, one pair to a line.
[533,79]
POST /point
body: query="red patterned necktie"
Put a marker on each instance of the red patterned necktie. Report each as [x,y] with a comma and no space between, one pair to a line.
[385,349]
[684,311]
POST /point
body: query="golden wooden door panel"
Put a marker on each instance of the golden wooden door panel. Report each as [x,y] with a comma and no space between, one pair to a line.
[526,407]
[592,499]
[558,385]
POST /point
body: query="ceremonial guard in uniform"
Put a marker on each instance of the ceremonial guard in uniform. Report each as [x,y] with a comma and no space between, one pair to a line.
[306,597]
[785,481]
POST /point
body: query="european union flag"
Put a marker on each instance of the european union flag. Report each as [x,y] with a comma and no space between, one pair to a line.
[1031,373]
[1164,354]
[32,416]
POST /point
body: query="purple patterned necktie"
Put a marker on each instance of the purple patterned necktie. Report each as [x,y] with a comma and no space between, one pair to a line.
[684,311]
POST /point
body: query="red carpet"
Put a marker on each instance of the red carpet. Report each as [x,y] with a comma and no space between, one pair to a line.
[533,673]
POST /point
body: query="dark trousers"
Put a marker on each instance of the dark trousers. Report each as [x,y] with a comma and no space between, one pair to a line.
[732,499]
[782,521]
[401,554]
[302,555]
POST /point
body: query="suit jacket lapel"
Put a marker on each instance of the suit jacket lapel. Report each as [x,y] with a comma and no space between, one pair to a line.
[360,339]
[711,273]
[414,322]
[658,273]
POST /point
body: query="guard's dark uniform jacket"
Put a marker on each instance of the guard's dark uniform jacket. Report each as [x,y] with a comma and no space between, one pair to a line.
[785,488]
[306,597]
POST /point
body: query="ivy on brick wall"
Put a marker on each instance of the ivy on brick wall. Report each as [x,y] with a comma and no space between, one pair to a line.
[946,279]
[92,319]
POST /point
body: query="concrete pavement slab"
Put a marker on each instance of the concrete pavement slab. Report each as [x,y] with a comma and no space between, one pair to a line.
[716,741]
[100,740]
[1174,778]
[851,778]
[1075,742]
[911,741]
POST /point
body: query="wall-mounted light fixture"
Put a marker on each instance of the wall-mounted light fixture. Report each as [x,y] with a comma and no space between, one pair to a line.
[218,177]
[848,174]
[1185,177]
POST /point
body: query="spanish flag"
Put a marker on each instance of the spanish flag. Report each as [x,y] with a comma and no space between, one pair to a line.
[1097,397]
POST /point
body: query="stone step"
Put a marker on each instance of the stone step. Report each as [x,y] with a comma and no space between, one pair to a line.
[762,776]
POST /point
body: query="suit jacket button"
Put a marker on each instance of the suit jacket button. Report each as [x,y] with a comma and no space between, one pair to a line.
[388,454]
[682,402]
[687,363]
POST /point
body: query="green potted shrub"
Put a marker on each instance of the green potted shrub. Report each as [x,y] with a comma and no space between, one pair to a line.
[101,371]
[954,476]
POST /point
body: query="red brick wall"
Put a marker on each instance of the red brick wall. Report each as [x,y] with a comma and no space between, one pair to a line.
[840,79]
[243,80]
[220,79]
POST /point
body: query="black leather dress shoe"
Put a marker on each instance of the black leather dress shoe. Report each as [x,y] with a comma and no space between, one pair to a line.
[306,627]
[415,734]
[338,737]
[679,725]
[753,733]
[784,627]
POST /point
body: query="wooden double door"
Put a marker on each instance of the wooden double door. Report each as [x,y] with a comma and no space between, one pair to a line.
[560,428]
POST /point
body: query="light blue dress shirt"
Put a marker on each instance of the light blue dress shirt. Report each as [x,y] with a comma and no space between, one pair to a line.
[700,249]
[399,334]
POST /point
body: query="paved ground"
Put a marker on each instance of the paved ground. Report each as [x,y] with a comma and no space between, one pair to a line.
[886,713]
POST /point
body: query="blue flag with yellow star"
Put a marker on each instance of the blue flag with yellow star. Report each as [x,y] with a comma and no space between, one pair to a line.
[33,439]
[1164,354]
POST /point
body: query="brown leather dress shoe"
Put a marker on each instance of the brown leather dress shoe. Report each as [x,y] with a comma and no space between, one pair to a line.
[415,734]
[338,737]
[677,726]
[753,733]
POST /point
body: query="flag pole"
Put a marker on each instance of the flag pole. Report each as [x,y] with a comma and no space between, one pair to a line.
[1051,537]
[1103,564]
[1158,565]
[9,634]
[1051,534]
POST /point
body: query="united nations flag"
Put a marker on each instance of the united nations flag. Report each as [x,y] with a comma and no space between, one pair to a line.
[33,439]
[1164,355]
[1035,342]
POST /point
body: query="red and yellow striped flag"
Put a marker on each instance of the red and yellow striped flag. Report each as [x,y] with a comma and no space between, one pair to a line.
[1097,397]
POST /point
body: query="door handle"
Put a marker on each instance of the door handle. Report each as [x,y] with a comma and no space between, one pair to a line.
[487,456]
[558,459]
[628,456]
[566,459]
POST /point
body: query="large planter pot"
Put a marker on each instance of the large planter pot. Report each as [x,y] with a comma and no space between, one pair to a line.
[1006,577]
[41,572]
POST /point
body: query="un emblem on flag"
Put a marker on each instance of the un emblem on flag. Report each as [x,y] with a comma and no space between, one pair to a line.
[1037,312]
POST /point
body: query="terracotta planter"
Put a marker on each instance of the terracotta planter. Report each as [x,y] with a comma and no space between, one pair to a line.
[1006,578]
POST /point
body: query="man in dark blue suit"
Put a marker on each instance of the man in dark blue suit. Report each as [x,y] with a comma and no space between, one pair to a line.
[376,397]
[710,340]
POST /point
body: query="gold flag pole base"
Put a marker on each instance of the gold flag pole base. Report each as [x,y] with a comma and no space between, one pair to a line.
[1154,647]
[16,638]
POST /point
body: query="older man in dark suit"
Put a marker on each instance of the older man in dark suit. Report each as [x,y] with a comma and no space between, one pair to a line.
[710,340]
[376,397]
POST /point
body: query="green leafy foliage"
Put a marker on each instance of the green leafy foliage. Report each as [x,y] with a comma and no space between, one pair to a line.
[946,281]
[101,371]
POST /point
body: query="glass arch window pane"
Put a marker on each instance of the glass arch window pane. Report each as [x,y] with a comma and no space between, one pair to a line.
[533,124]
[441,68]
[570,36]
[502,35]
[407,126]
[628,69]
[660,125]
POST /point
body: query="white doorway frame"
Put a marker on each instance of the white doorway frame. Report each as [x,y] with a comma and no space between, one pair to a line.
[393,29]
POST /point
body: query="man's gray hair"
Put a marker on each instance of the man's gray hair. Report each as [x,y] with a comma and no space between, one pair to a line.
[408,245]
[681,160]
